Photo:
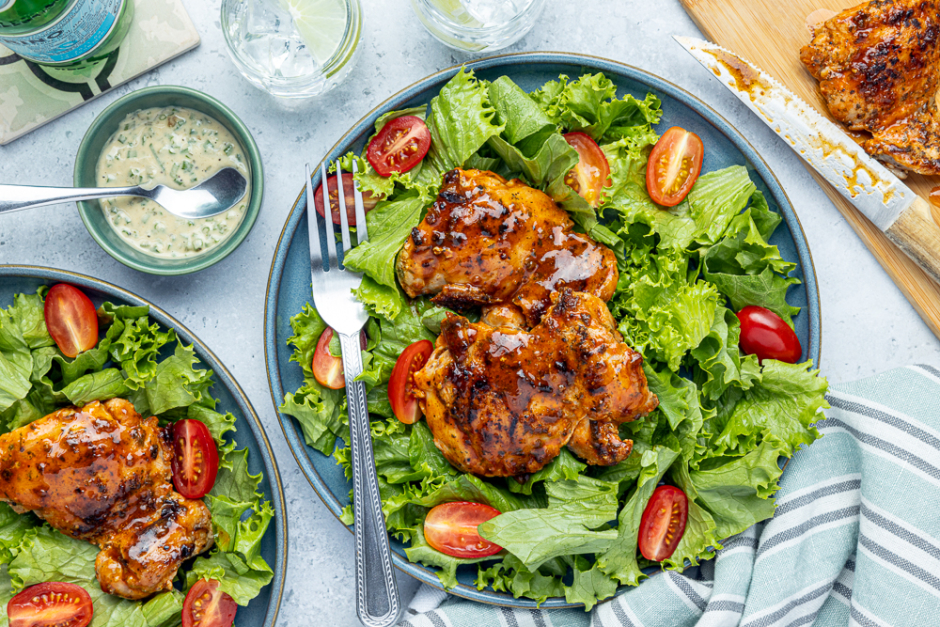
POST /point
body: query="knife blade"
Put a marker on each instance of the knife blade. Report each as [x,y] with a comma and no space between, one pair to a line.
[906,218]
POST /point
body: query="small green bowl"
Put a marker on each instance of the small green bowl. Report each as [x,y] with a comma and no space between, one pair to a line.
[93,144]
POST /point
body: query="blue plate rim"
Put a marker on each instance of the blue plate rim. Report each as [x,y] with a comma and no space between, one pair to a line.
[366,123]
[225,378]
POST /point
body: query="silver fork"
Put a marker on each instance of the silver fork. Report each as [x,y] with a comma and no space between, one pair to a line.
[377,600]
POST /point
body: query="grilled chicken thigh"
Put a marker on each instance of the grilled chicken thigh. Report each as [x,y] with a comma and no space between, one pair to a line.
[489,241]
[102,474]
[879,69]
[502,401]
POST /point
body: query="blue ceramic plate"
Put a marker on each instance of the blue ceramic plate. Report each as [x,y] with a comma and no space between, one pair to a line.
[289,281]
[263,609]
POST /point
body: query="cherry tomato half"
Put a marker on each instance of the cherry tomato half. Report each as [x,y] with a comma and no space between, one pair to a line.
[451,528]
[663,523]
[765,334]
[400,386]
[328,370]
[195,458]
[207,606]
[368,200]
[592,174]
[51,604]
[71,319]
[399,146]
[674,166]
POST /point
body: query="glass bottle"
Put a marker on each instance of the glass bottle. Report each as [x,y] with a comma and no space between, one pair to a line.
[68,33]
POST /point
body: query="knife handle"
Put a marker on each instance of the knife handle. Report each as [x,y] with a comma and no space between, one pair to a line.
[917,233]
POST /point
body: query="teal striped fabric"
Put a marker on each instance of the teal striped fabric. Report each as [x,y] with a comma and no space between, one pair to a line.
[855,540]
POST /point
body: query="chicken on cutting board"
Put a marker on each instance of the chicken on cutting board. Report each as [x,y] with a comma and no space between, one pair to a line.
[103,474]
[488,241]
[878,67]
[502,401]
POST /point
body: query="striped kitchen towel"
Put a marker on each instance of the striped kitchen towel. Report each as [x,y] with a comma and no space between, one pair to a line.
[855,539]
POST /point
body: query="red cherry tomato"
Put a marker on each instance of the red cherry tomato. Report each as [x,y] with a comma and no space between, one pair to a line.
[195,458]
[207,606]
[400,386]
[663,523]
[592,174]
[451,528]
[71,319]
[50,604]
[328,370]
[674,166]
[368,200]
[765,334]
[399,146]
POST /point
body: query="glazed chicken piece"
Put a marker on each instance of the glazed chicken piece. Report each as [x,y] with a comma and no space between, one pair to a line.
[102,474]
[502,401]
[878,67]
[489,241]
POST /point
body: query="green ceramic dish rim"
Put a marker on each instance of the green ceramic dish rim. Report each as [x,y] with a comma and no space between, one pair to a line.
[85,208]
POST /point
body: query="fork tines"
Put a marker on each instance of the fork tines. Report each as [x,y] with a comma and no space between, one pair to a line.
[316,254]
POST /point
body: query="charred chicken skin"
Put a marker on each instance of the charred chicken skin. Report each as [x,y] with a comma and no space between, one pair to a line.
[102,474]
[488,241]
[878,67]
[502,401]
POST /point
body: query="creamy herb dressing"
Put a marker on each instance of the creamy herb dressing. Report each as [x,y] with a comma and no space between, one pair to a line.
[178,148]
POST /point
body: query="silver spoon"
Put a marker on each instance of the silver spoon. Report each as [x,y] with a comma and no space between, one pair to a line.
[215,195]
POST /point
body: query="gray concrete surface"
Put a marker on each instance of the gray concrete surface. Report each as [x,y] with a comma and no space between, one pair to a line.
[867,324]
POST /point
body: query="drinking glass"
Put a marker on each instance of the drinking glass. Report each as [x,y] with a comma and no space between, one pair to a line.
[478,25]
[274,54]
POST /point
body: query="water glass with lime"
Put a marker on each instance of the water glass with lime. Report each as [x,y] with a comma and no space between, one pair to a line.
[292,48]
[478,25]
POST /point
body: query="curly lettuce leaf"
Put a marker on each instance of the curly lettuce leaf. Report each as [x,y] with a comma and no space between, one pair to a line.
[96,386]
[552,160]
[720,363]
[521,116]
[389,224]
[737,492]
[461,120]
[590,104]
[51,556]
[511,575]
[16,363]
[702,536]
[176,383]
[570,524]
[589,584]
[421,551]
[619,560]
[28,312]
[241,581]
[747,269]
[316,408]
[13,530]
[663,313]
[785,403]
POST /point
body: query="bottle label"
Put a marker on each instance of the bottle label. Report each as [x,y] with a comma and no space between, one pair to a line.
[77,32]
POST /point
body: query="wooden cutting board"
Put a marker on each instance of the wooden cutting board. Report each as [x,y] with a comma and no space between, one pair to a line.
[770,34]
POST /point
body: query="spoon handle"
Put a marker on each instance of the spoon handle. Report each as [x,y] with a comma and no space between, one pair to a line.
[15,197]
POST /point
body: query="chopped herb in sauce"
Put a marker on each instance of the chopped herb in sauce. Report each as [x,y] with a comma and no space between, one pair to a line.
[175,147]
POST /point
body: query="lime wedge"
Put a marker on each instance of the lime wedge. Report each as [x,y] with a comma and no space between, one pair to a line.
[321,24]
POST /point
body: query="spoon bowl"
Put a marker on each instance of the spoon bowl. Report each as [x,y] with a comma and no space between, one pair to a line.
[217,194]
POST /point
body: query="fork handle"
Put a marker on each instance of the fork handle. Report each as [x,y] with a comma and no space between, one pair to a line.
[14,197]
[377,600]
